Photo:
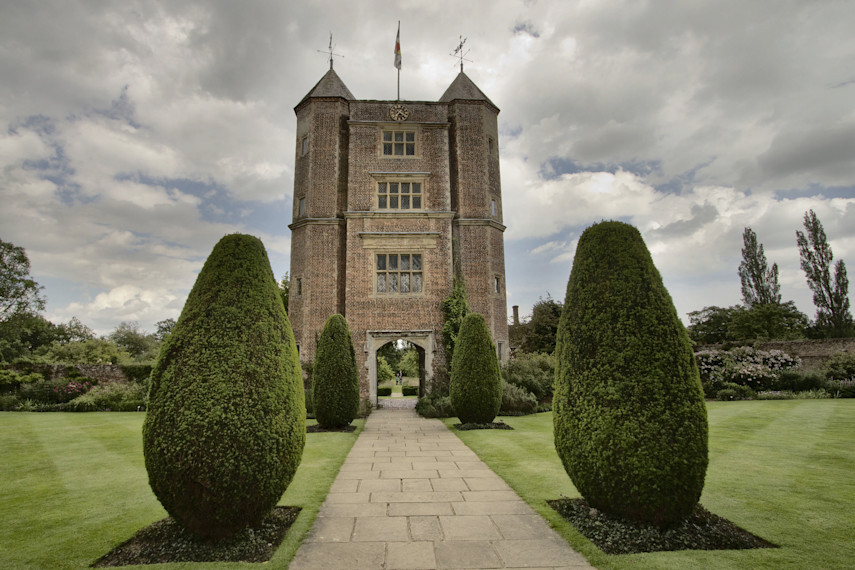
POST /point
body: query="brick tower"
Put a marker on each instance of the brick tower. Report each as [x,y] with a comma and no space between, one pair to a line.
[390,199]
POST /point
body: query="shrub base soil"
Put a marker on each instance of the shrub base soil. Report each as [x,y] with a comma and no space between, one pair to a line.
[701,531]
[318,429]
[166,541]
[493,425]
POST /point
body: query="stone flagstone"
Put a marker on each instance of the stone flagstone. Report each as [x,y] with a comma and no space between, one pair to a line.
[411,495]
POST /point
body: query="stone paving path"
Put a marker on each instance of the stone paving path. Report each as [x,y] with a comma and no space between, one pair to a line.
[411,495]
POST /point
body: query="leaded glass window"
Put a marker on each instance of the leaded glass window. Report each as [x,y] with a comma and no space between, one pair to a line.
[399,273]
[399,195]
[399,143]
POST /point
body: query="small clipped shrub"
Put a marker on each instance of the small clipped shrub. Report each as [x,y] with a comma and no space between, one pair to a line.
[630,422]
[517,401]
[410,390]
[335,379]
[384,391]
[435,405]
[226,426]
[731,391]
[476,380]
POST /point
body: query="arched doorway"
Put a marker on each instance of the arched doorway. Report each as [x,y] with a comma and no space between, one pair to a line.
[422,341]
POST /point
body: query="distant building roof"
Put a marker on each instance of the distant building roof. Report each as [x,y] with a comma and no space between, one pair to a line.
[330,85]
[463,88]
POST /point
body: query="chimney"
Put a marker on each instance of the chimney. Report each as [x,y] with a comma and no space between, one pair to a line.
[516,314]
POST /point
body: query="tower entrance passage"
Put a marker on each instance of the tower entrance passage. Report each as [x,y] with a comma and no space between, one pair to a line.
[423,341]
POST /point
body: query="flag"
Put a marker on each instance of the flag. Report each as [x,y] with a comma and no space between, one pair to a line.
[398,48]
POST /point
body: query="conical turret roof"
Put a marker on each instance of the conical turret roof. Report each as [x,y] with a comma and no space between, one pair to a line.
[463,88]
[330,85]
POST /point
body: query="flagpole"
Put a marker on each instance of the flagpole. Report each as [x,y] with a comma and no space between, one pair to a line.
[398,51]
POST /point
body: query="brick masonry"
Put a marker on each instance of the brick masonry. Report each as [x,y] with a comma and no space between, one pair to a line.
[340,229]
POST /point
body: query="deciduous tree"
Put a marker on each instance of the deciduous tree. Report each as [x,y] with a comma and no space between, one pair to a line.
[830,296]
[759,282]
[19,292]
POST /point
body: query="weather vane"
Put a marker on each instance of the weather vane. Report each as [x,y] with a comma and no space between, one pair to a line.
[330,51]
[460,54]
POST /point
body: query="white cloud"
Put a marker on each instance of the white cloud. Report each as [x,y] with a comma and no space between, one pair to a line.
[137,134]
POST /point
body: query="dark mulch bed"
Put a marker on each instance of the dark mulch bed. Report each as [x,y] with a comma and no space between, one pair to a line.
[165,541]
[702,531]
[494,425]
[318,429]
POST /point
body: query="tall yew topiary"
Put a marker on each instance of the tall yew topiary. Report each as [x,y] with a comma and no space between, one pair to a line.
[335,387]
[476,380]
[225,427]
[630,422]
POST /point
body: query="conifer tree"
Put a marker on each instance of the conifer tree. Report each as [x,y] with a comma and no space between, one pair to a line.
[476,380]
[759,282]
[630,422]
[830,296]
[225,427]
[335,381]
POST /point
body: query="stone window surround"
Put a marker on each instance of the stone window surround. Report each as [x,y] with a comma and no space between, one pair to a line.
[398,243]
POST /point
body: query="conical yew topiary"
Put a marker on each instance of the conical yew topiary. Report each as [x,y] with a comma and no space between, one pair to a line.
[476,380]
[630,422]
[335,388]
[225,427]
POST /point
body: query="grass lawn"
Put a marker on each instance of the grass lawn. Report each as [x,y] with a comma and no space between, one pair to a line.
[73,486]
[783,470]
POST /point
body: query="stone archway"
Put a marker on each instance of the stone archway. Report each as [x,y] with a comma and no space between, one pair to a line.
[425,341]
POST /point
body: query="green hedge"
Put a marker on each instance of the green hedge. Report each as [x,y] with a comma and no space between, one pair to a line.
[384,391]
[410,390]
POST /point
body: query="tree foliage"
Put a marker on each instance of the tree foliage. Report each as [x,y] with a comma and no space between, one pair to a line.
[767,321]
[409,365]
[454,309]
[476,380]
[539,332]
[830,296]
[163,329]
[335,380]
[384,371]
[129,337]
[19,293]
[772,321]
[759,282]
[225,427]
[629,418]
[285,289]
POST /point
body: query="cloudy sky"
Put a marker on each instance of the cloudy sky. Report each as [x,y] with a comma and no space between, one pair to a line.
[135,134]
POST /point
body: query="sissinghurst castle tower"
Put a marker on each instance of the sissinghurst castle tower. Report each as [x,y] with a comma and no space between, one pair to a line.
[391,199]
